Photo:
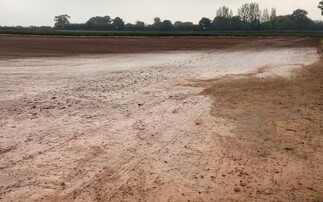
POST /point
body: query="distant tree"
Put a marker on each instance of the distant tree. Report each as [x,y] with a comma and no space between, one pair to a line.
[317,25]
[321,6]
[249,12]
[300,14]
[130,27]
[265,16]
[224,12]
[205,23]
[118,24]
[300,17]
[178,24]
[61,21]
[99,23]
[140,24]
[99,20]
[221,23]
[236,23]
[255,13]
[223,19]
[273,13]
[283,23]
[249,17]
[184,26]
[76,26]
[156,25]
[167,25]
[157,20]
[243,12]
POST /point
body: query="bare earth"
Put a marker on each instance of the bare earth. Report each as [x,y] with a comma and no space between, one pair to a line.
[180,119]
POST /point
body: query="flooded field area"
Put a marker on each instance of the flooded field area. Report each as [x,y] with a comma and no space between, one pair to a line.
[177,124]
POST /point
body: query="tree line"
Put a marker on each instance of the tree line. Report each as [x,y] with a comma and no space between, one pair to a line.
[249,17]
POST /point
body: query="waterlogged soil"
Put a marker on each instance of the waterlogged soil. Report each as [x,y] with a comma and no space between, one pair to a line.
[224,124]
[276,153]
[44,46]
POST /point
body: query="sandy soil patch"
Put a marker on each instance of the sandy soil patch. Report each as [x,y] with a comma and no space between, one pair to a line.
[276,153]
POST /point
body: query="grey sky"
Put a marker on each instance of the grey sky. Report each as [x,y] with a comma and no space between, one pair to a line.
[42,12]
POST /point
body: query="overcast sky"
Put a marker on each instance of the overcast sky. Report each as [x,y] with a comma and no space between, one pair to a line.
[42,12]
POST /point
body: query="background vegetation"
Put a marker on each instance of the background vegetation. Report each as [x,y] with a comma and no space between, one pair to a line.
[250,20]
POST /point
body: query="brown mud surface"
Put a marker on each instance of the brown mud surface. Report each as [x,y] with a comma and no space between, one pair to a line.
[36,46]
[237,123]
[276,154]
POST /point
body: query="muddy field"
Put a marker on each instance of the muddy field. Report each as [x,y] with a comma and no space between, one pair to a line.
[24,47]
[160,119]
